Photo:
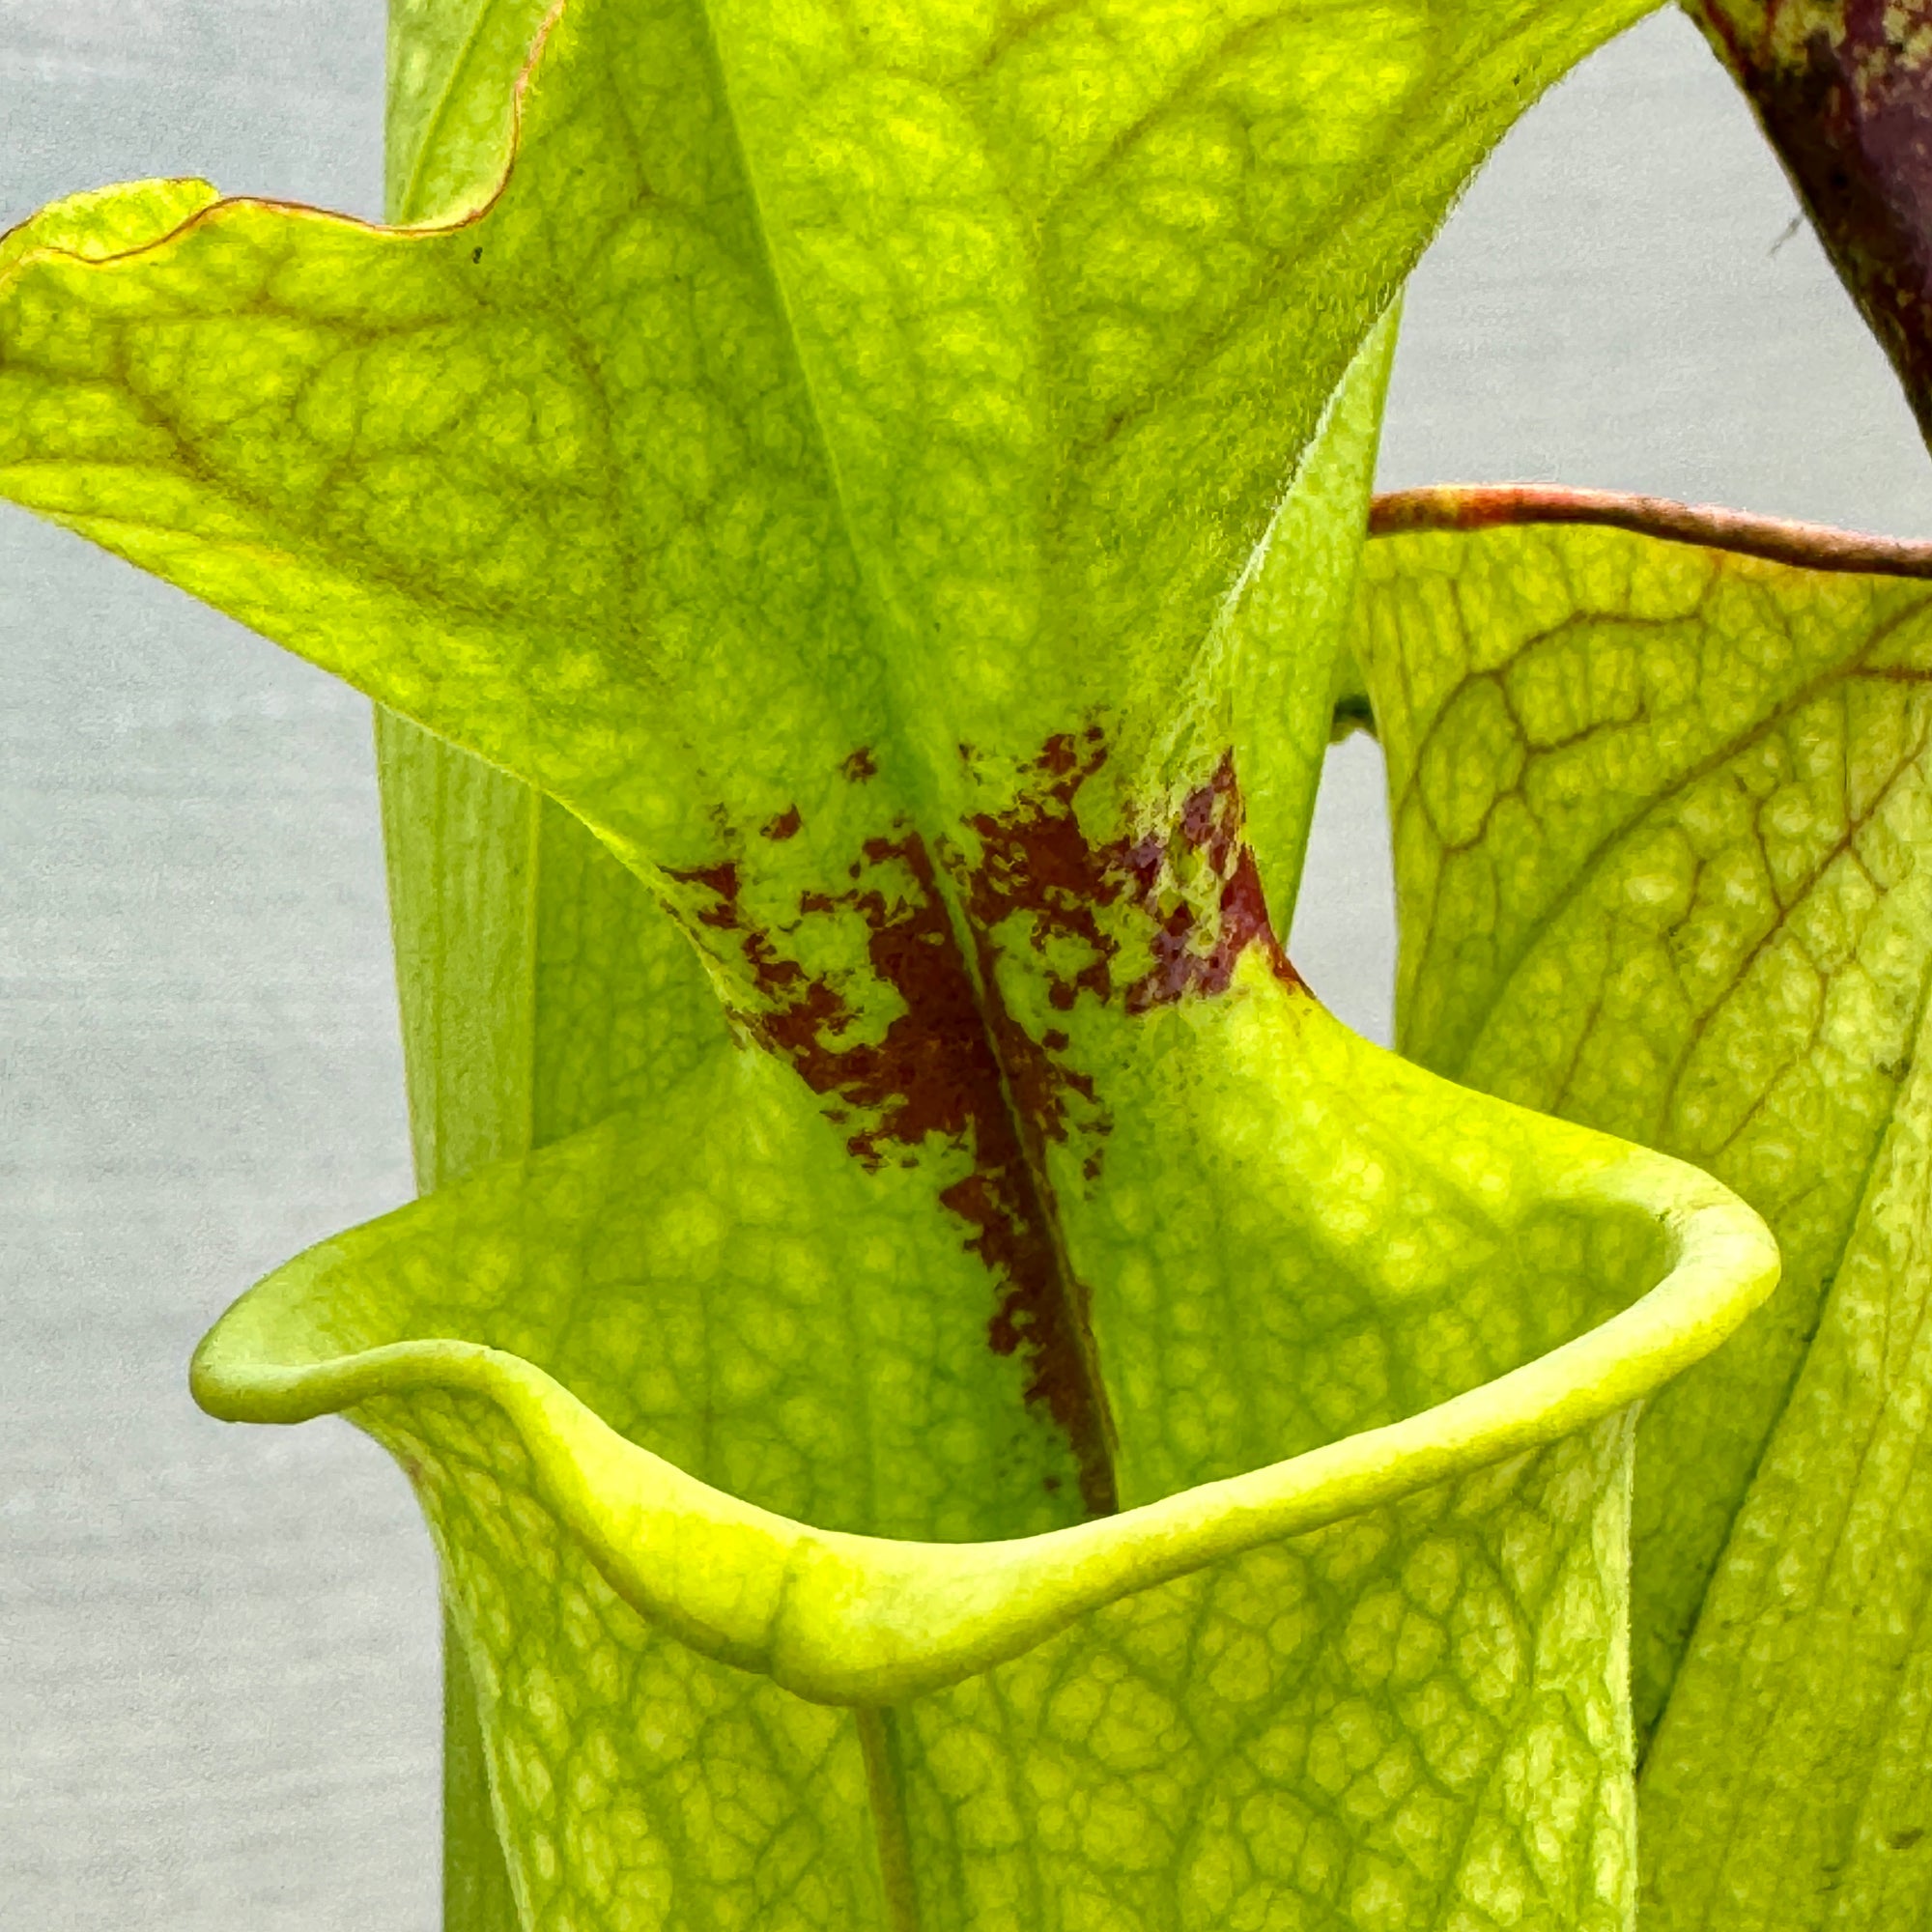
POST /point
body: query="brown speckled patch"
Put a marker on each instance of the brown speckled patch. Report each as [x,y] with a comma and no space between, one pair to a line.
[1041,886]
[933,1071]
[1194,880]
[1202,925]
[1038,895]
[1035,860]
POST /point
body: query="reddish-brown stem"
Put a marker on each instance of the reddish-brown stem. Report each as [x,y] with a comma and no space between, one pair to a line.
[1482,506]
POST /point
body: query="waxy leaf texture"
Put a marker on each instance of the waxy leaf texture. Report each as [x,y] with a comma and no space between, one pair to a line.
[971,1400]
[1660,810]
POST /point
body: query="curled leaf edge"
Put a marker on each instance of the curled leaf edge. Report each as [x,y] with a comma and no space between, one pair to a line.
[844,1619]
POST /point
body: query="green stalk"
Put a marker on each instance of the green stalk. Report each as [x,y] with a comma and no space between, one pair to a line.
[460,841]
[476,1894]
[540,987]
[458,837]
[465,849]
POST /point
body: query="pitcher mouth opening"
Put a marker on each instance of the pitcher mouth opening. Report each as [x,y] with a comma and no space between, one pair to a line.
[849,1619]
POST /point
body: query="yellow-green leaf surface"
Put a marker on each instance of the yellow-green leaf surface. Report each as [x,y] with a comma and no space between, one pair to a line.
[542,987]
[540,983]
[1380,1684]
[1662,804]
[838,466]
[895,478]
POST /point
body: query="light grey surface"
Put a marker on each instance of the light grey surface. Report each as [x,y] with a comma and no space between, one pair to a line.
[218,1675]
[218,1646]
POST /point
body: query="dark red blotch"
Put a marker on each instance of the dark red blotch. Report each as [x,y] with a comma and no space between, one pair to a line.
[955,1063]
[933,1071]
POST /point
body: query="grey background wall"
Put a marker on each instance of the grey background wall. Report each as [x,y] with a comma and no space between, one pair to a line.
[218,1675]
